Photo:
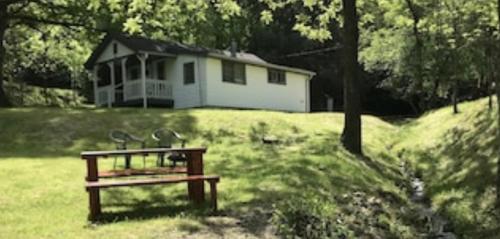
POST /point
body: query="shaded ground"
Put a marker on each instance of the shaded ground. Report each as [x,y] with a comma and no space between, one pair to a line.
[42,176]
[456,154]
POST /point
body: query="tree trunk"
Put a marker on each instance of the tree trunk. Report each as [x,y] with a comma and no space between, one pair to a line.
[497,89]
[489,72]
[4,101]
[434,93]
[351,135]
[418,48]
[454,97]
[497,80]
[490,96]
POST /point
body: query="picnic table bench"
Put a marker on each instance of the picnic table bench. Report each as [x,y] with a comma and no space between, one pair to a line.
[195,177]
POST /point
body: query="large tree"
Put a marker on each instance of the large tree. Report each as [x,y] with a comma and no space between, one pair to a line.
[351,136]
[3,27]
[313,21]
[497,81]
[36,15]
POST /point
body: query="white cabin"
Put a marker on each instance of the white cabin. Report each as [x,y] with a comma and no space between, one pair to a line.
[135,71]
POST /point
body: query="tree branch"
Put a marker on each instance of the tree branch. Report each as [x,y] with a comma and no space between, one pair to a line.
[30,19]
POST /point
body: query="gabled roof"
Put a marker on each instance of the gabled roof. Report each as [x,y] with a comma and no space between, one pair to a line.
[141,44]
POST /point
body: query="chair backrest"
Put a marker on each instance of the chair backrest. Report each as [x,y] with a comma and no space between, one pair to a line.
[166,138]
[118,136]
[121,138]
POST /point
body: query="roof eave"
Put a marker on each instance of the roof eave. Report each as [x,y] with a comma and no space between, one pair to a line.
[264,64]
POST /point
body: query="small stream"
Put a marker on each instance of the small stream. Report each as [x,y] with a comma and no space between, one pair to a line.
[436,225]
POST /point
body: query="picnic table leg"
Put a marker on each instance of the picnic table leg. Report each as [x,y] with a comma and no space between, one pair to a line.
[95,203]
[213,194]
[94,197]
[196,189]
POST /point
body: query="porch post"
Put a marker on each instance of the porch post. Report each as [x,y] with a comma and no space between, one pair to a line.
[124,77]
[95,79]
[111,92]
[143,58]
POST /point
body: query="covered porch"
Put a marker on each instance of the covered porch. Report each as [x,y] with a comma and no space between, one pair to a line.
[139,79]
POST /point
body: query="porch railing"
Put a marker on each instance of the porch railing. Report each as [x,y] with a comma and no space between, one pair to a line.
[104,95]
[158,89]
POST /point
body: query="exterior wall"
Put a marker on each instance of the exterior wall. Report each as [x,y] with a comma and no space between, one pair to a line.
[257,93]
[209,89]
[190,95]
[108,54]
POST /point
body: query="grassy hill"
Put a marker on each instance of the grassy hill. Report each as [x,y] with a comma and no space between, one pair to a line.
[307,183]
[306,179]
[456,154]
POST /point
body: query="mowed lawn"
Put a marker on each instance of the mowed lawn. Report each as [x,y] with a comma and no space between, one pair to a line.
[42,178]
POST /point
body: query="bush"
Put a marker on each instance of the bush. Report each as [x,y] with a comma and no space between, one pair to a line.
[309,217]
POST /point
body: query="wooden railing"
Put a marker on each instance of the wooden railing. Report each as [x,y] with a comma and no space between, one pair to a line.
[104,95]
[132,90]
[158,89]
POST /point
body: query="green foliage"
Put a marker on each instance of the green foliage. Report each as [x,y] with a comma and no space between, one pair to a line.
[31,96]
[360,216]
[448,48]
[308,217]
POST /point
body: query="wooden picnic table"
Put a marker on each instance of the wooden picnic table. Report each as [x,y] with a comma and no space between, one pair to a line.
[196,192]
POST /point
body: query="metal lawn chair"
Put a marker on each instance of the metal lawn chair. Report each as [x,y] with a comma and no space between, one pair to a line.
[165,139]
[122,139]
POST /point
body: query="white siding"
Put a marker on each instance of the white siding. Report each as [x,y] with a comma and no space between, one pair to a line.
[257,93]
[108,53]
[190,95]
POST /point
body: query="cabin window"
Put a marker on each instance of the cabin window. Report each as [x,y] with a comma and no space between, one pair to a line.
[115,48]
[189,73]
[160,70]
[276,76]
[233,72]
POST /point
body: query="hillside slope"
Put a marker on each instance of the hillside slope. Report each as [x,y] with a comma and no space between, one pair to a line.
[456,155]
[308,175]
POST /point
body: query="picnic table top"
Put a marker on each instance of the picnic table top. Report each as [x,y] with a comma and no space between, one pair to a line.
[93,154]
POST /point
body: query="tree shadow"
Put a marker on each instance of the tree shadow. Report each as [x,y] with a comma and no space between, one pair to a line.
[55,133]
[464,160]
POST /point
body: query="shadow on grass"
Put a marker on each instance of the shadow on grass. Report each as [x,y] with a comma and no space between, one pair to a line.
[469,157]
[269,173]
[50,132]
[144,203]
[254,176]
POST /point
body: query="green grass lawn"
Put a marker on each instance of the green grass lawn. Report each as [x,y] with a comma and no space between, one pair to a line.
[42,177]
[456,154]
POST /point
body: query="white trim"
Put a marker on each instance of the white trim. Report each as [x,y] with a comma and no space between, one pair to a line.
[95,77]
[142,59]
[157,54]
[124,75]
[308,96]
[264,64]
[111,95]
[197,78]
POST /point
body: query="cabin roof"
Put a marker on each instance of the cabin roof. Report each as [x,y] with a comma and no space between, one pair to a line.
[142,44]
